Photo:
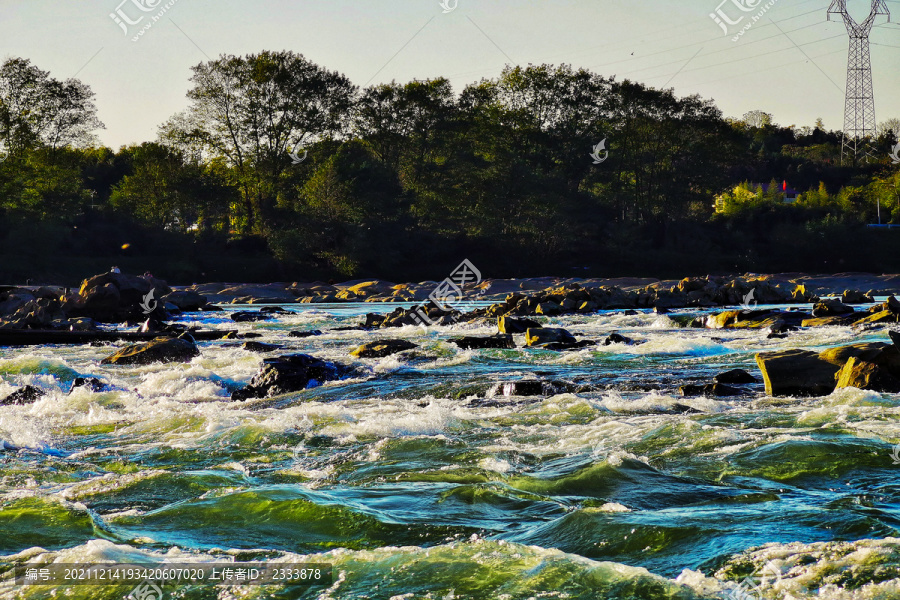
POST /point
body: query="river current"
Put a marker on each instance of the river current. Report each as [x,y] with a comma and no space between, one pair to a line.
[414,481]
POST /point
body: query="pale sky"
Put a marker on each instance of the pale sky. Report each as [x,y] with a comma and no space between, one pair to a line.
[658,42]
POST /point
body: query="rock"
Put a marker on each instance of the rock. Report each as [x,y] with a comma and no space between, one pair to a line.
[870,351]
[865,375]
[796,373]
[735,376]
[40,313]
[615,338]
[274,310]
[856,297]
[548,335]
[561,346]
[885,316]
[249,317]
[382,348]
[838,320]
[117,297]
[501,341]
[892,305]
[710,389]
[186,301]
[549,308]
[22,396]
[162,349]
[831,308]
[290,373]
[509,325]
[92,383]
[895,337]
[305,334]
[374,320]
[532,387]
[260,347]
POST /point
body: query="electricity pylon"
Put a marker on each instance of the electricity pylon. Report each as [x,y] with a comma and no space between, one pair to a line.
[859,105]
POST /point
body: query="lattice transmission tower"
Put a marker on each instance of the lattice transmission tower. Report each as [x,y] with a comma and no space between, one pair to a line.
[859,105]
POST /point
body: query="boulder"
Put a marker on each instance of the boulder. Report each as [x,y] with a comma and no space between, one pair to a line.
[838,320]
[884,316]
[510,325]
[40,313]
[305,334]
[547,335]
[186,301]
[382,348]
[248,316]
[502,341]
[831,308]
[865,375]
[117,297]
[290,373]
[92,383]
[895,337]
[735,376]
[869,351]
[615,338]
[549,308]
[796,373]
[856,297]
[162,349]
[22,396]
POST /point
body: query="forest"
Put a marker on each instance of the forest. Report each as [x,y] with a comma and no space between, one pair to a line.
[280,169]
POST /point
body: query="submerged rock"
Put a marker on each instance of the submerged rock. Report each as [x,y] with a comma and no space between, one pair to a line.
[382,348]
[512,325]
[616,338]
[22,396]
[501,341]
[260,347]
[162,349]
[735,376]
[249,316]
[532,387]
[290,373]
[92,383]
[305,334]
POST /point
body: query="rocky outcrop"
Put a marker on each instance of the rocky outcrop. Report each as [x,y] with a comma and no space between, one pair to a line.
[42,313]
[162,349]
[831,308]
[290,373]
[117,297]
[796,373]
[382,348]
[866,375]
[503,342]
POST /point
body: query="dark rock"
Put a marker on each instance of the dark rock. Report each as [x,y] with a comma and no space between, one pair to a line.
[865,375]
[548,335]
[162,349]
[304,334]
[495,341]
[509,325]
[116,297]
[186,301]
[683,409]
[562,346]
[660,310]
[831,308]
[615,338]
[248,336]
[260,347]
[382,348]
[710,389]
[856,297]
[895,337]
[274,310]
[374,320]
[290,373]
[22,396]
[735,376]
[249,316]
[94,384]
[532,387]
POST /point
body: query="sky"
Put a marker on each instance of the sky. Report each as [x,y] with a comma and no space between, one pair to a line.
[791,62]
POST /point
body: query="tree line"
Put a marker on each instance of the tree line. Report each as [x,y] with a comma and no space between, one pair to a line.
[281,168]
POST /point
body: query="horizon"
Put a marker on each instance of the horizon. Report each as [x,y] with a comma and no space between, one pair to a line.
[140,84]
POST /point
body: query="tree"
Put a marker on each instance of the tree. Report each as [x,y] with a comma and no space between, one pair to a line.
[251,111]
[757,119]
[37,110]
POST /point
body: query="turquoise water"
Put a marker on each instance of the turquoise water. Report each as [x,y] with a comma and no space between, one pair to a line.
[415,483]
